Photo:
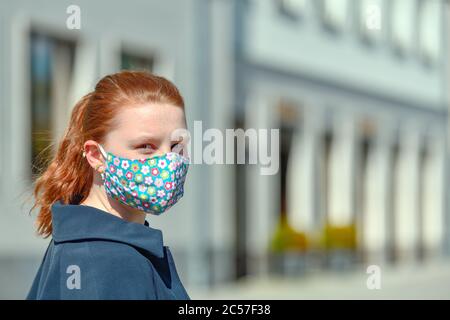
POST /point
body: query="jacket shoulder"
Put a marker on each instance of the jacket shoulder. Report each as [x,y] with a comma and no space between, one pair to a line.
[106,270]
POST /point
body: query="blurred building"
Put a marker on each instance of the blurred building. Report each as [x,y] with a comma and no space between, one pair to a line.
[358,90]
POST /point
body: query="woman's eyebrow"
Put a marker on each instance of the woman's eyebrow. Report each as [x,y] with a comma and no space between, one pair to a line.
[143,138]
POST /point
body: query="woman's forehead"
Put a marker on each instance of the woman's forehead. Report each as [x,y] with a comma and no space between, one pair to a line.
[151,120]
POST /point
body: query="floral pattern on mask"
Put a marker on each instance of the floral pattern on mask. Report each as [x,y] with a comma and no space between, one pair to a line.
[152,185]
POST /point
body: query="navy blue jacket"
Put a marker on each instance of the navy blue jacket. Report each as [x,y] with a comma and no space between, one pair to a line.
[96,255]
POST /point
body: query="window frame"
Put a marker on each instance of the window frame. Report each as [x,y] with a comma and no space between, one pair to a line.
[335,26]
[402,49]
[366,35]
[163,62]
[424,56]
[22,26]
[290,13]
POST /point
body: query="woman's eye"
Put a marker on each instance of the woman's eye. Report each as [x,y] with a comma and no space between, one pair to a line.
[146,147]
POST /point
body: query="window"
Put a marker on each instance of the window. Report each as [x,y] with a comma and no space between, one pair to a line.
[403,24]
[136,61]
[370,19]
[334,13]
[292,8]
[50,74]
[429,30]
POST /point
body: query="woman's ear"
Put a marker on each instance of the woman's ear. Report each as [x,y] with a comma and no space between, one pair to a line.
[94,156]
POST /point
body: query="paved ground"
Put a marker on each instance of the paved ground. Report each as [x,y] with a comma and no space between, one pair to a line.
[431,281]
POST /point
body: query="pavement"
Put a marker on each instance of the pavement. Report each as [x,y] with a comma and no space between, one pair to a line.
[424,281]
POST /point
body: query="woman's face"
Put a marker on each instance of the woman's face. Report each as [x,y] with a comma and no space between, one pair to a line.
[140,131]
[146,130]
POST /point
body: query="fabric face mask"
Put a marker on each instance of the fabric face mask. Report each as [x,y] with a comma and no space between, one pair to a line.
[152,185]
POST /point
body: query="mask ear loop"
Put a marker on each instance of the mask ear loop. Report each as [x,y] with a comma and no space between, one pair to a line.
[102,151]
[103,176]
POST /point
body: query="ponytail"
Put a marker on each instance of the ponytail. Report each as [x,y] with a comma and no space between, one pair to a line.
[68,175]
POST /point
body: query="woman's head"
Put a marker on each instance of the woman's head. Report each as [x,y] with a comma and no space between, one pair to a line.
[131,114]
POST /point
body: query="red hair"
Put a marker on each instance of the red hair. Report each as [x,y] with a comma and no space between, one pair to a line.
[69,176]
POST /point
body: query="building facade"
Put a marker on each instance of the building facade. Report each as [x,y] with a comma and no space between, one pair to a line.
[359,90]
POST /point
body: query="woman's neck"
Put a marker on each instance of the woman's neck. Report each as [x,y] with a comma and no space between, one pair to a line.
[97,198]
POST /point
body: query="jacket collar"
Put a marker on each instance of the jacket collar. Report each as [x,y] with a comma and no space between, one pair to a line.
[72,222]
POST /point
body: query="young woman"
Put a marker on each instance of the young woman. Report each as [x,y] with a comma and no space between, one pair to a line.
[117,161]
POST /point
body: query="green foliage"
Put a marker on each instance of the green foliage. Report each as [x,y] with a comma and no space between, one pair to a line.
[286,238]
